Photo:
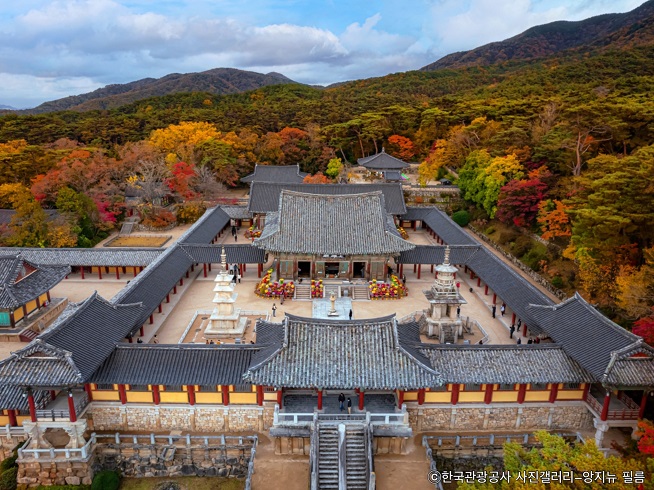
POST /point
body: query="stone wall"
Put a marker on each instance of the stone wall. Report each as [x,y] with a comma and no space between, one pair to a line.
[148,460]
[497,417]
[198,418]
[7,444]
[34,473]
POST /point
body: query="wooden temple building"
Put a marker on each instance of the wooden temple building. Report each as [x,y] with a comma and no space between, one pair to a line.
[82,374]
[384,164]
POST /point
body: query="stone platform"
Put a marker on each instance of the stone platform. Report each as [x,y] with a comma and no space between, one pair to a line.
[321,308]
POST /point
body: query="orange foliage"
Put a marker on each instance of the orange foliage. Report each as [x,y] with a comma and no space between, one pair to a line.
[554,222]
[401,147]
[318,178]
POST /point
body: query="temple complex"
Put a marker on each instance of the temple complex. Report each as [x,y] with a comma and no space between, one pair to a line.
[85,376]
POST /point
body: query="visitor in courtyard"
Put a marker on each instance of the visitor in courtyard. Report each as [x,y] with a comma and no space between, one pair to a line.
[274,309]
[493,310]
[519,341]
[458,311]
[519,323]
[236,238]
[350,313]
[341,402]
[282,298]
[503,309]
[404,279]
[155,340]
[530,341]
[233,230]
[511,331]
[349,405]
[139,340]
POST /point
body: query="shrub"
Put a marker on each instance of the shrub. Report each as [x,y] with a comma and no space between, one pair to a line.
[160,219]
[557,282]
[432,200]
[8,463]
[507,236]
[8,479]
[521,245]
[490,230]
[535,256]
[190,212]
[106,480]
[461,218]
[419,200]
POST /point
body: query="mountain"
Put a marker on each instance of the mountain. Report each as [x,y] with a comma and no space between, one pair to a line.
[218,81]
[7,108]
[635,28]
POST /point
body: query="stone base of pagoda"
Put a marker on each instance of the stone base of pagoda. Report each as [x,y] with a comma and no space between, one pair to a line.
[444,329]
[223,326]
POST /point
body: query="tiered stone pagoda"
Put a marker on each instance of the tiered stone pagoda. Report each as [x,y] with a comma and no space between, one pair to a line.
[444,299]
[225,320]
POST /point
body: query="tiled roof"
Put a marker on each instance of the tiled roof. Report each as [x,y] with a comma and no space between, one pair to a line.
[40,364]
[276,173]
[429,254]
[13,398]
[416,213]
[392,175]
[317,353]
[87,256]
[382,161]
[237,212]
[42,278]
[207,227]
[331,225]
[264,196]
[600,346]
[178,364]
[504,364]
[236,254]
[448,230]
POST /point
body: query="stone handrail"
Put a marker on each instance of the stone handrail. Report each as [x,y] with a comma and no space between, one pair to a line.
[11,432]
[190,324]
[52,453]
[313,454]
[524,268]
[291,418]
[371,461]
[432,463]
[342,458]
[151,438]
[253,453]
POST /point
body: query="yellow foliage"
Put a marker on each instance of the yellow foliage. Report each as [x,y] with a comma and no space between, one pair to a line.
[13,146]
[180,139]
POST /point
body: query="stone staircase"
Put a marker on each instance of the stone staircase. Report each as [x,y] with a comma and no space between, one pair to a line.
[361,292]
[328,288]
[447,334]
[302,292]
[328,456]
[356,457]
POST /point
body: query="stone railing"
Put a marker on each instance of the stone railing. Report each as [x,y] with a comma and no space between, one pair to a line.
[523,267]
[52,454]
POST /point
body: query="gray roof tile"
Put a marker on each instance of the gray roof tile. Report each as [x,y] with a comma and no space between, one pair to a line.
[75,257]
[276,173]
[235,254]
[382,161]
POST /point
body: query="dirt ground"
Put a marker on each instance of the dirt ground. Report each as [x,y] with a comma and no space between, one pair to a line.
[278,472]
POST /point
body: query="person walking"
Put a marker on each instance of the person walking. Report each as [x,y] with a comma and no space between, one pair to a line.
[493,310]
[519,341]
[404,279]
[274,309]
[511,331]
[349,405]
[350,313]
[341,402]
[236,238]
[503,309]
[155,340]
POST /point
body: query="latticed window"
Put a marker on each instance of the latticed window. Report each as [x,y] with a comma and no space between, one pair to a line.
[138,387]
[104,386]
[538,386]
[505,387]
[173,388]
[208,388]
[243,388]
[571,386]
[472,387]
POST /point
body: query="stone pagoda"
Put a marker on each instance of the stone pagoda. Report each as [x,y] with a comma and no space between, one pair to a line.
[225,320]
[443,322]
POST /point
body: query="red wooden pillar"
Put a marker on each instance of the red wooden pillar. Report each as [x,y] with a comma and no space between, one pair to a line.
[48,295]
[181,281]
[129,339]
[465,269]
[259,269]
[361,395]
[554,391]
[71,407]
[643,404]
[122,394]
[455,393]
[243,269]
[191,394]
[319,399]
[160,308]
[419,268]
[192,268]
[472,275]
[522,391]
[421,396]
[401,270]
[280,397]
[415,268]
[81,269]
[494,298]
[400,398]
[486,290]
[175,289]
[155,394]
[99,272]
[260,395]
[432,268]
[117,273]
[186,274]
[488,396]
[479,282]
[12,418]
[209,267]
[204,270]
[513,319]
[168,298]
[134,271]
[524,329]
[141,331]
[89,393]
[32,405]
[225,390]
[605,406]
[151,319]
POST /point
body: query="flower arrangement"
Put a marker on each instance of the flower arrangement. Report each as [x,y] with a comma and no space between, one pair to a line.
[387,290]
[251,233]
[267,288]
[316,288]
[403,232]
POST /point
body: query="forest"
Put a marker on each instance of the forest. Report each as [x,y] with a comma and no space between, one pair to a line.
[560,148]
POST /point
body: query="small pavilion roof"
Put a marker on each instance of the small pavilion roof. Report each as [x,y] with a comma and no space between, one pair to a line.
[316,353]
[275,173]
[350,224]
[235,253]
[264,196]
[382,161]
[21,281]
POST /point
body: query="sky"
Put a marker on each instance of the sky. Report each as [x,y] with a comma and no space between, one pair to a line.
[51,49]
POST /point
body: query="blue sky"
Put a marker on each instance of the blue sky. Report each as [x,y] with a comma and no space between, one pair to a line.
[51,49]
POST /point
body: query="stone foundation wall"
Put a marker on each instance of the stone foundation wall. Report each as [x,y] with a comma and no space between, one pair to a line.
[34,473]
[197,418]
[155,460]
[500,417]
[7,444]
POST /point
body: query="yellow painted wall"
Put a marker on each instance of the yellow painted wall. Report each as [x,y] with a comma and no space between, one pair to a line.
[570,395]
[271,397]
[438,397]
[471,397]
[22,418]
[43,298]
[173,397]
[4,419]
[209,397]
[105,396]
[139,397]
[411,396]
[505,396]
[243,398]
[537,396]
[18,314]
[31,306]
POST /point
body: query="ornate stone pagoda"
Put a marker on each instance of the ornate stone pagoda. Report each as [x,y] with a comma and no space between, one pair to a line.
[443,321]
[225,320]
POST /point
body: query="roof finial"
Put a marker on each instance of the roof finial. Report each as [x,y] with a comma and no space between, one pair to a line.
[383,150]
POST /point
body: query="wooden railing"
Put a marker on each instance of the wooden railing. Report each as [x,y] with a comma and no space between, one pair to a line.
[81,402]
[630,413]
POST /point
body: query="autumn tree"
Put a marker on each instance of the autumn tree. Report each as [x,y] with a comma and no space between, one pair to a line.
[334,168]
[401,147]
[554,219]
[318,178]
[429,169]
[519,200]
[179,141]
